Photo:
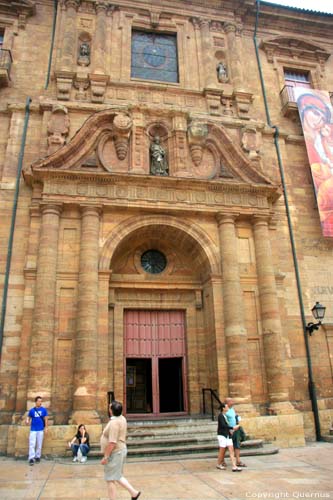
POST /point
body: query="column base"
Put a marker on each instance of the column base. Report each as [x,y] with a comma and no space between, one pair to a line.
[84,417]
[281,408]
[246,409]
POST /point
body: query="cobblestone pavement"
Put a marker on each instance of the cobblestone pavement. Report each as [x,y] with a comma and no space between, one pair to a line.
[293,473]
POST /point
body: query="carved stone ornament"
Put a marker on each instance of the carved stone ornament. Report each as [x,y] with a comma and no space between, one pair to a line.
[251,141]
[122,125]
[197,134]
[57,128]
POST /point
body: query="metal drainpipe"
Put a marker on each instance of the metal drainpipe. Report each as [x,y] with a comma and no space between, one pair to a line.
[312,387]
[12,225]
[55,10]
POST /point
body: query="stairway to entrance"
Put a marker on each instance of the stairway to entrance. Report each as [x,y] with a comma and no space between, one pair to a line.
[182,438]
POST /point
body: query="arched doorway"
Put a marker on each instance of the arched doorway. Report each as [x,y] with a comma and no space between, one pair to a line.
[161,335]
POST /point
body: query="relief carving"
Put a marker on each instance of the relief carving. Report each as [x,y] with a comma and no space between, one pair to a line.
[57,128]
[122,124]
[197,134]
[251,141]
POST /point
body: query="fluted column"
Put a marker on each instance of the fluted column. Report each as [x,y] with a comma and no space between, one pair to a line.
[85,374]
[207,54]
[235,54]
[276,371]
[41,353]
[98,58]
[69,47]
[233,308]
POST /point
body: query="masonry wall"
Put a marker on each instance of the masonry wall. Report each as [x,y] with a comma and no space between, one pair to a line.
[206,34]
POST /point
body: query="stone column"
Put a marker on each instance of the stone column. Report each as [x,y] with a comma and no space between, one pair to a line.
[235,56]
[233,309]
[85,374]
[98,56]
[207,54]
[276,370]
[41,353]
[98,77]
[69,48]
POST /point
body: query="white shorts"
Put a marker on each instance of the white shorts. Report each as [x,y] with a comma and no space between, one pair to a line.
[224,442]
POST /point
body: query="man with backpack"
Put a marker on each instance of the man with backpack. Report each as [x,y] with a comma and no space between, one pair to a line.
[38,418]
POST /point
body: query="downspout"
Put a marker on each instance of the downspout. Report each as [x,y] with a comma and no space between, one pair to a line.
[312,387]
[12,225]
[55,10]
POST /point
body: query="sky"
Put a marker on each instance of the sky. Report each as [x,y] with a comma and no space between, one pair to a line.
[317,5]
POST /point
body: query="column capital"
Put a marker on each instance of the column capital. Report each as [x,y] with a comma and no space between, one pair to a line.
[230,28]
[101,6]
[74,4]
[90,209]
[196,22]
[261,219]
[51,208]
[224,218]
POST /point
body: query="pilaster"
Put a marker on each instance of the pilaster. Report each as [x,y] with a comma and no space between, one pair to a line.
[41,355]
[86,362]
[233,309]
[276,373]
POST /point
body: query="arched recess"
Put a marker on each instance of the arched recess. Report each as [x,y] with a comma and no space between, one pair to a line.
[195,233]
[149,310]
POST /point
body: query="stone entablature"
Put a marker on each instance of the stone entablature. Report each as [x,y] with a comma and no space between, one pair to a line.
[175,194]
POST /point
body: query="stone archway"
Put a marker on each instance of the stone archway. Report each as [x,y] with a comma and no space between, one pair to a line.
[162,305]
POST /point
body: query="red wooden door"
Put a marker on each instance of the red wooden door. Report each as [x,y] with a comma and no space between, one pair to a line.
[151,336]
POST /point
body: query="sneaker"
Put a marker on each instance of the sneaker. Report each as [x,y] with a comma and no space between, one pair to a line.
[37,460]
[31,461]
[236,469]
[74,459]
[221,467]
[83,460]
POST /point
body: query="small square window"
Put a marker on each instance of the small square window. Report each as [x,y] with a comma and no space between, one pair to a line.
[154,56]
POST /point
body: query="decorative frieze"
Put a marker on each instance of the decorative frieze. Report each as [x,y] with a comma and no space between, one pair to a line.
[115,192]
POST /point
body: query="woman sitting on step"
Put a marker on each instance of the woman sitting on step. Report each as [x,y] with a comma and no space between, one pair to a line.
[80,444]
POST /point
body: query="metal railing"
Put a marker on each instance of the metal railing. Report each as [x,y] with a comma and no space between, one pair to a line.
[214,401]
[6,60]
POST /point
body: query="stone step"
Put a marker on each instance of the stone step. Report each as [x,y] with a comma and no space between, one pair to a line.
[182,446]
[328,438]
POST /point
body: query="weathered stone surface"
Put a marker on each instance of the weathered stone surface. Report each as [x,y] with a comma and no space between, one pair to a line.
[88,212]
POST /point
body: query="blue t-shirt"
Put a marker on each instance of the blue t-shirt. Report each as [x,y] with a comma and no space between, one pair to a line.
[37,423]
[231,416]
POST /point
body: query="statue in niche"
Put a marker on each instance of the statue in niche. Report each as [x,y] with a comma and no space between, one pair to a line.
[158,158]
[84,54]
[222,72]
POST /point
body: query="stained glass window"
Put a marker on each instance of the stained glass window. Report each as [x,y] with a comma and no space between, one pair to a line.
[154,56]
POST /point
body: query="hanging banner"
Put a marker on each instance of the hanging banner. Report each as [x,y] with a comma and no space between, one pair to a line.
[316,114]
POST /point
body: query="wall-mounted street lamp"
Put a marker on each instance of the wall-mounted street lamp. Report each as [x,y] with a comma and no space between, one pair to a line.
[318,312]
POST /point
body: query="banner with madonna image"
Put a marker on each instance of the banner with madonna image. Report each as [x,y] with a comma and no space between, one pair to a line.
[316,114]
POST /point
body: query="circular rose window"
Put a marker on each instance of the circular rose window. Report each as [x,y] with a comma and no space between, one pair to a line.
[153,261]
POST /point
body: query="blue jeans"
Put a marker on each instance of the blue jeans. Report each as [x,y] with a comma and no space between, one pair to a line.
[83,447]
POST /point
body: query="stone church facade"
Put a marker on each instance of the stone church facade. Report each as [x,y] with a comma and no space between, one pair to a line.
[156,282]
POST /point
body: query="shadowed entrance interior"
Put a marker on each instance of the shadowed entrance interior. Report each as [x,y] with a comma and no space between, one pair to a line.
[155,361]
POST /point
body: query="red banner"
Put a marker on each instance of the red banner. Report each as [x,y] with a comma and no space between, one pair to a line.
[316,114]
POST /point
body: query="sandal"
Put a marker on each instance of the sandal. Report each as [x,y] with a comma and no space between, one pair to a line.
[237,469]
[241,464]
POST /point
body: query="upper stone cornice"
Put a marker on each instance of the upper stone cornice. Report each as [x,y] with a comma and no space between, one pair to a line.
[18,7]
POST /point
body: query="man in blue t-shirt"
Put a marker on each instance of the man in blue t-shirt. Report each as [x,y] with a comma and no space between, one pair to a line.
[38,418]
